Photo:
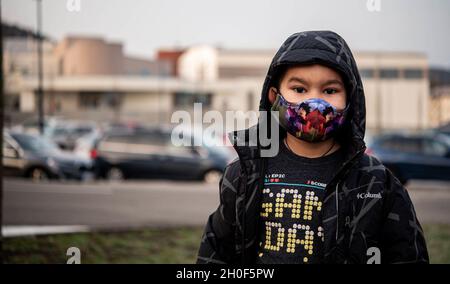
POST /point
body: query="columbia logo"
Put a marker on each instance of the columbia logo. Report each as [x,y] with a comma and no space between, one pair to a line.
[368,195]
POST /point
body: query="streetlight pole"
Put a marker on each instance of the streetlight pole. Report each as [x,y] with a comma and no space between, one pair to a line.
[40,91]
[1,127]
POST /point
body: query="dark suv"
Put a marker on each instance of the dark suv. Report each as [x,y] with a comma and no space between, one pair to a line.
[149,153]
[419,156]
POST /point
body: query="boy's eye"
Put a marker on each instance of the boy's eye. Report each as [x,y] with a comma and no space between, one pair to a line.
[330,91]
[300,90]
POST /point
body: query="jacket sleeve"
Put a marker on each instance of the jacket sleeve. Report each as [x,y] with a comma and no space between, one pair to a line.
[403,240]
[218,240]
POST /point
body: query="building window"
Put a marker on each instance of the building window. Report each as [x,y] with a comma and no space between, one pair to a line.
[112,100]
[389,73]
[413,73]
[89,100]
[184,99]
[60,66]
[367,73]
[12,102]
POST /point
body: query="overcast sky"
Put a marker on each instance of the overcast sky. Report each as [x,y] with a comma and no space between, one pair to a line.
[145,25]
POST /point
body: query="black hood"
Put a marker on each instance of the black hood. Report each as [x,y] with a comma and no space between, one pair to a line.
[329,49]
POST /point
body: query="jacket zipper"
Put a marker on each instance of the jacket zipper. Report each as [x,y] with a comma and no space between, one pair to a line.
[260,185]
[243,222]
[345,164]
[337,211]
[337,186]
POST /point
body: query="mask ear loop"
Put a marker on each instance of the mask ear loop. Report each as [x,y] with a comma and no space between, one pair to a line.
[293,105]
[279,100]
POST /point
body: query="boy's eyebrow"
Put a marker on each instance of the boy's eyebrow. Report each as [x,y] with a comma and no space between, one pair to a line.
[328,82]
[333,81]
[300,80]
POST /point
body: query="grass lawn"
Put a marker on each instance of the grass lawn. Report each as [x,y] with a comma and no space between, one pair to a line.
[438,242]
[177,245]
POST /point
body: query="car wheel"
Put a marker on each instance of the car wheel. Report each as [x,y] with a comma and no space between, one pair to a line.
[38,174]
[115,174]
[212,176]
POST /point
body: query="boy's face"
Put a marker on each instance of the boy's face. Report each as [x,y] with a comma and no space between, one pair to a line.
[314,81]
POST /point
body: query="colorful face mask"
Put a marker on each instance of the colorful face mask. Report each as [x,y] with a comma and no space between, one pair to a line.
[312,120]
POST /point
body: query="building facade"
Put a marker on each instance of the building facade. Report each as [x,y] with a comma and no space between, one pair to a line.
[89,78]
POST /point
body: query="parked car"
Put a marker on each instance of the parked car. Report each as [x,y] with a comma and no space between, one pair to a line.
[86,146]
[416,156]
[149,153]
[31,125]
[65,134]
[444,130]
[33,156]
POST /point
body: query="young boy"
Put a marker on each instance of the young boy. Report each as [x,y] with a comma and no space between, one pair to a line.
[321,199]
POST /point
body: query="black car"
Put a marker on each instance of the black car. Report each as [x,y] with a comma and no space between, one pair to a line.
[149,153]
[444,130]
[33,156]
[416,156]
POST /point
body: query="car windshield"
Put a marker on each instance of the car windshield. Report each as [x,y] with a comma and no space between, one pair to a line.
[445,139]
[34,143]
[215,145]
[80,131]
[59,131]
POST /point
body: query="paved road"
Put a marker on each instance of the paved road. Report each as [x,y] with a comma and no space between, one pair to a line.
[431,201]
[156,203]
[108,204]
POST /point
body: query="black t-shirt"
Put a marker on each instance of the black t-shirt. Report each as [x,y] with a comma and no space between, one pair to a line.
[291,205]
